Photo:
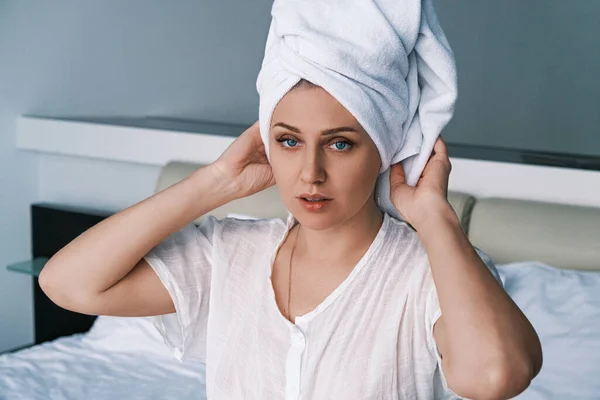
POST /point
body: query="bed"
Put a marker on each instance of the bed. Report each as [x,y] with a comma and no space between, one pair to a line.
[118,358]
[548,256]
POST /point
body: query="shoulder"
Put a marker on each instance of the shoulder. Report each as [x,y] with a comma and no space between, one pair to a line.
[404,249]
[410,249]
[401,234]
[246,228]
[403,244]
[230,233]
[243,244]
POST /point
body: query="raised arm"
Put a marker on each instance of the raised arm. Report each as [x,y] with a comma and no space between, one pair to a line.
[489,349]
[102,271]
[80,275]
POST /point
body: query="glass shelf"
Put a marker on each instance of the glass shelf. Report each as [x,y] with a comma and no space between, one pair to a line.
[30,267]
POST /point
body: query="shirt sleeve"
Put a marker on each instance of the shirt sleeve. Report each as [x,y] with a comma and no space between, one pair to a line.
[183,263]
[434,312]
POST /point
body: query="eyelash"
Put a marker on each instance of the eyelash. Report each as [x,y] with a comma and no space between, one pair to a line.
[284,139]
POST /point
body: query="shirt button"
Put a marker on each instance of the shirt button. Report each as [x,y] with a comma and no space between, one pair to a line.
[299,338]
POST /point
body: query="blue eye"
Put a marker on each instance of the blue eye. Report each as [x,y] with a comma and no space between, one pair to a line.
[341,145]
[290,142]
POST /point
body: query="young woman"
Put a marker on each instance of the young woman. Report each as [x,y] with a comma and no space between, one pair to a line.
[341,301]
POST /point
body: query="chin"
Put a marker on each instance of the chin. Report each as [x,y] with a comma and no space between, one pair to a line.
[316,220]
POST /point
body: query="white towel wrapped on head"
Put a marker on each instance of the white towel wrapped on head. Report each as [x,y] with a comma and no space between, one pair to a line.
[386,61]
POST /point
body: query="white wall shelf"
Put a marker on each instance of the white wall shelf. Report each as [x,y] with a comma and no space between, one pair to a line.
[155,142]
[144,140]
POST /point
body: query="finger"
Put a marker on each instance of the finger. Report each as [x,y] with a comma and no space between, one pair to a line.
[437,169]
[440,154]
[439,147]
[397,175]
[440,172]
[254,132]
[255,128]
[434,157]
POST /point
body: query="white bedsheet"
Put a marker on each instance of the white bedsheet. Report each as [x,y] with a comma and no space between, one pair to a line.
[77,367]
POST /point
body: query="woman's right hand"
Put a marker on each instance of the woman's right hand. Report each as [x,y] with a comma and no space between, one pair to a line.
[244,164]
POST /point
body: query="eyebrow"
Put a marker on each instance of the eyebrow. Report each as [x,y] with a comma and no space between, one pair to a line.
[326,132]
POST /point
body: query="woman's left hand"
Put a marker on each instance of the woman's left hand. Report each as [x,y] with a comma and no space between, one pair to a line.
[430,195]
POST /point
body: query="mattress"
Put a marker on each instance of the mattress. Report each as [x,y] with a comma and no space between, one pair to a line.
[94,366]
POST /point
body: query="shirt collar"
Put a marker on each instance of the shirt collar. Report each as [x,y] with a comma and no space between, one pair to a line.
[291,220]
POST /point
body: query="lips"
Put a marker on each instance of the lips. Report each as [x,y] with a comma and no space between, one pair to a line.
[314,197]
[314,202]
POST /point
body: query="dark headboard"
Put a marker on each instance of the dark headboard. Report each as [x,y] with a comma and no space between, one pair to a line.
[53,227]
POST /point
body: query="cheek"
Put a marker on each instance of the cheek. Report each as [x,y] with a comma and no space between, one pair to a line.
[357,178]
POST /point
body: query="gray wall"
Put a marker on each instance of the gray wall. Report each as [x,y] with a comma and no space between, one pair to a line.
[528,73]
[526,70]
[187,59]
[18,188]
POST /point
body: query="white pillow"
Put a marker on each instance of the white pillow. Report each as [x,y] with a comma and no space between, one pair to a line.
[564,308]
[126,334]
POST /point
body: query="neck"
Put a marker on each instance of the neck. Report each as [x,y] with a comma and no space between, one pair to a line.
[341,242]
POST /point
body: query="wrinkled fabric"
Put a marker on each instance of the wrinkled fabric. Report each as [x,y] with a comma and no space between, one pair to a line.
[371,338]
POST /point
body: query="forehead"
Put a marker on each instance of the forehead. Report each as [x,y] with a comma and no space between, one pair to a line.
[312,108]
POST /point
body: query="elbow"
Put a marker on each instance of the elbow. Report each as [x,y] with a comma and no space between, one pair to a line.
[509,380]
[45,282]
[48,285]
[55,289]
[498,380]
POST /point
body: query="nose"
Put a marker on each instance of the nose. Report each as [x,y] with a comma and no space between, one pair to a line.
[313,170]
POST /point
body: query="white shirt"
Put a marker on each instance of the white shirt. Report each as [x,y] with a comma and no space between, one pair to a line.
[371,338]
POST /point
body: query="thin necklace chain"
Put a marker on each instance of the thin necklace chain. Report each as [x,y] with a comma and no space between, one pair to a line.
[290,277]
